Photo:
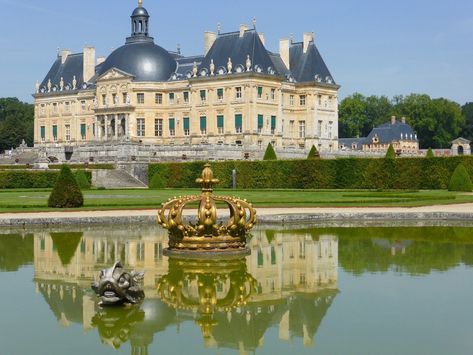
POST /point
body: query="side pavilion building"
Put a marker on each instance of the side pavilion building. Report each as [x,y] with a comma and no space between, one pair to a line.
[237,94]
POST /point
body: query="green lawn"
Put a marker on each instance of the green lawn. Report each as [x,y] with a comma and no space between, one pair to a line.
[35,200]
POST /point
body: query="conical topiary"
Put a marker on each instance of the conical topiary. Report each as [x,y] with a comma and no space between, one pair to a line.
[313,154]
[82,180]
[66,192]
[270,154]
[430,153]
[391,154]
[157,182]
[460,180]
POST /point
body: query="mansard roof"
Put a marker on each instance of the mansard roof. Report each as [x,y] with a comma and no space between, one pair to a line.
[308,66]
[391,132]
[72,66]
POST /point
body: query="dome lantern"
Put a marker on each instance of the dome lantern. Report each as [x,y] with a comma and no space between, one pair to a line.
[139,24]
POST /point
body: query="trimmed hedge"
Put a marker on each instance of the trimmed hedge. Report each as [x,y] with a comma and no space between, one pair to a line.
[460,180]
[346,173]
[66,192]
[15,167]
[31,179]
[270,154]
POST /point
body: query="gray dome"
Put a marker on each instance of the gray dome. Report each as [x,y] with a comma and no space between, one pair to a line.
[140,11]
[144,60]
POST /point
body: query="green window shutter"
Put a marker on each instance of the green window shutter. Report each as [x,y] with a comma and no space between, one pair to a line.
[93,128]
[238,121]
[82,129]
[203,123]
[43,132]
[186,96]
[260,258]
[219,121]
[273,256]
[273,122]
[54,131]
[260,91]
[172,124]
[186,123]
[260,121]
[219,92]
[202,94]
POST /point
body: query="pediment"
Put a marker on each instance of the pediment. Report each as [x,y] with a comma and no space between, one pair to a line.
[461,140]
[115,74]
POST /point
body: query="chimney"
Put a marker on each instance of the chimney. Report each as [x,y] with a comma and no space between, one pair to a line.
[243,29]
[64,54]
[393,119]
[100,60]
[403,120]
[284,45]
[209,40]
[308,37]
[89,63]
[262,38]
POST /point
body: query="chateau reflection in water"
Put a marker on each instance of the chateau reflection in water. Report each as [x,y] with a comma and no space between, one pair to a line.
[289,282]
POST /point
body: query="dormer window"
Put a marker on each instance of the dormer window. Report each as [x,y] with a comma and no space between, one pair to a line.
[375,139]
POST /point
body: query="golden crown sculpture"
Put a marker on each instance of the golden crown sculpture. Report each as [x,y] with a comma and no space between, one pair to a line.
[207,235]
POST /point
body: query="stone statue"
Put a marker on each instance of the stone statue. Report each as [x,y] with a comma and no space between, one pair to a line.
[248,63]
[128,100]
[50,85]
[212,67]
[117,286]
[74,83]
[61,84]
[96,103]
[37,87]
[229,66]
[194,70]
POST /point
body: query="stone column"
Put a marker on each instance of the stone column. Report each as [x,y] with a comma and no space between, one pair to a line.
[105,120]
[116,126]
[96,122]
[127,125]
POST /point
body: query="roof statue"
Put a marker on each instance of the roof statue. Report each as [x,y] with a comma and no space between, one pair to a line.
[208,234]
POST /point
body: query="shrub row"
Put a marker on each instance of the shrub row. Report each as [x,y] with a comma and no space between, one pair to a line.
[29,179]
[15,167]
[84,166]
[346,173]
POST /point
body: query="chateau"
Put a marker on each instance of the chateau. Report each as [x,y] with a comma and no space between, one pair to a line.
[237,95]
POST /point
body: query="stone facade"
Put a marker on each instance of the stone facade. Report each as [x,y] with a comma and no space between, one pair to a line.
[240,103]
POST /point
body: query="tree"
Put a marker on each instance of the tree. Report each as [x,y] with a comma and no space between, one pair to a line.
[16,123]
[430,153]
[313,154]
[66,192]
[270,154]
[390,154]
[460,180]
[467,111]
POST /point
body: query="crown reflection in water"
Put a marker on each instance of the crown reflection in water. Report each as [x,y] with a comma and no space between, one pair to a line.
[208,237]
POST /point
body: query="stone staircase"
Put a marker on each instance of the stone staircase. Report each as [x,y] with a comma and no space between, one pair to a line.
[115,179]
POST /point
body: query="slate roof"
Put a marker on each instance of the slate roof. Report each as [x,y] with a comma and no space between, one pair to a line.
[231,45]
[348,142]
[388,133]
[305,66]
[72,66]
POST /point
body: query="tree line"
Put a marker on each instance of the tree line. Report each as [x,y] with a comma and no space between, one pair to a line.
[16,123]
[436,121]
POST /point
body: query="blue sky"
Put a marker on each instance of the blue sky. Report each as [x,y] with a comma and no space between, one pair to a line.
[379,47]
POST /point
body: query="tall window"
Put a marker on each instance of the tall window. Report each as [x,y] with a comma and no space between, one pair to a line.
[68,132]
[239,123]
[260,92]
[203,125]
[220,95]
[83,130]
[319,129]
[330,124]
[301,129]
[171,98]
[42,110]
[125,98]
[260,123]
[140,251]
[140,127]
[291,100]
[302,100]
[186,97]
[203,96]
[186,124]
[273,124]
[238,93]
[319,99]
[55,132]
[114,99]
[172,127]
[104,100]
[55,107]
[158,127]
[158,99]
[43,133]
[220,124]
[273,94]
[67,106]
[291,129]
[82,105]
[140,98]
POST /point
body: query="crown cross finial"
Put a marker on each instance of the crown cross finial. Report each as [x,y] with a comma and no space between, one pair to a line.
[207,180]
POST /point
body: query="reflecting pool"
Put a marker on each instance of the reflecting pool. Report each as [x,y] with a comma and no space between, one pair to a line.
[303,290]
